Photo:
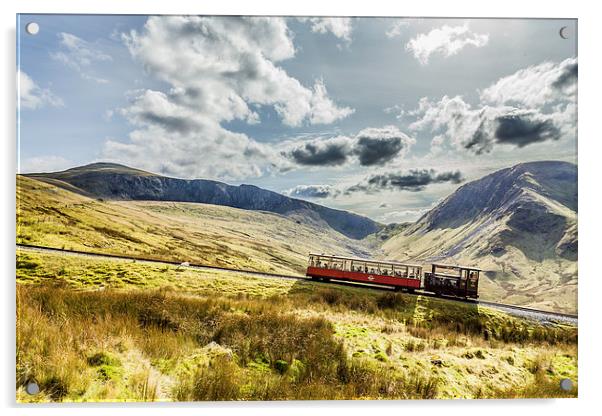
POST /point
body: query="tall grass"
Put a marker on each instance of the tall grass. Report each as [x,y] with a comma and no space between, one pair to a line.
[76,344]
[63,336]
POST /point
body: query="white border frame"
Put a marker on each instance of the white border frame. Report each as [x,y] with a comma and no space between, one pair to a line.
[589,218]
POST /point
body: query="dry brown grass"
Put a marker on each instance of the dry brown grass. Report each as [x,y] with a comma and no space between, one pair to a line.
[64,338]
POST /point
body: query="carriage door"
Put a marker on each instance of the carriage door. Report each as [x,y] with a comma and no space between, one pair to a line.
[463,281]
[473,282]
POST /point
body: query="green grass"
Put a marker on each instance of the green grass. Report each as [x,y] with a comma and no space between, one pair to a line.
[95,329]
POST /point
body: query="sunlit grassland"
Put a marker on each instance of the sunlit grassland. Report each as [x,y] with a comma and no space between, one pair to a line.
[207,234]
[98,329]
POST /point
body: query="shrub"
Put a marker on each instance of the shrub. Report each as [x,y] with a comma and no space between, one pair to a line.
[413,345]
[109,372]
[281,366]
[391,300]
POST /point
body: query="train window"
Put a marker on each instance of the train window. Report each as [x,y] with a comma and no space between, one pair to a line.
[359,266]
[386,269]
[447,270]
[336,264]
[473,279]
[370,267]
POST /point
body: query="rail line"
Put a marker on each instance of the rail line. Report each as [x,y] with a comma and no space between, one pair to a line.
[513,309]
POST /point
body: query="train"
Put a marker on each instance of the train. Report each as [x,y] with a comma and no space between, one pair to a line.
[442,279]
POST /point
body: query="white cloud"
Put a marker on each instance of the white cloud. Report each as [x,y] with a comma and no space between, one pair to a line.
[219,69]
[323,109]
[479,129]
[533,105]
[80,55]
[536,85]
[406,215]
[446,41]
[44,164]
[341,27]
[397,28]
[32,96]
[174,139]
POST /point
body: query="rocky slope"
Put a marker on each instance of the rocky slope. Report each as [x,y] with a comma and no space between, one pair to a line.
[519,224]
[117,182]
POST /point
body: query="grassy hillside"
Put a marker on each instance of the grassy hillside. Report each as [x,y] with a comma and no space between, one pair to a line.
[51,216]
[117,182]
[114,330]
[525,272]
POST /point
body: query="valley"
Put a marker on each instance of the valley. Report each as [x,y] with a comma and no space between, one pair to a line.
[176,231]
[126,330]
[518,224]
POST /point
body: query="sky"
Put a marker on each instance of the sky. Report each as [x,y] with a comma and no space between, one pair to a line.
[384,117]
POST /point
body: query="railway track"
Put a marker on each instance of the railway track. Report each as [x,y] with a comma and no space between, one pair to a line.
[540,315]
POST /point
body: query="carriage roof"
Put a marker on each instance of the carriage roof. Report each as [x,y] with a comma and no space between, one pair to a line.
[456,266]
[394,263]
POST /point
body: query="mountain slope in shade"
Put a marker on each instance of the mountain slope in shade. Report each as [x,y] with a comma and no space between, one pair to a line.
[118,182]
[519,224]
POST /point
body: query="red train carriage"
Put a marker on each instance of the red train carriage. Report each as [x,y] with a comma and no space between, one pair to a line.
[386,273]
[459,281]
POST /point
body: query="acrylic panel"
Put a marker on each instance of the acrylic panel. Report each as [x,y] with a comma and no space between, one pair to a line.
[295,208]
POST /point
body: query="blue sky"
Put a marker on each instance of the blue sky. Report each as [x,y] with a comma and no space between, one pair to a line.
[381,116]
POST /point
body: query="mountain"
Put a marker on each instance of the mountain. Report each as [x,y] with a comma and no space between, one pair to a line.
[52,216]
[518,224]
[117,182]
[504,191]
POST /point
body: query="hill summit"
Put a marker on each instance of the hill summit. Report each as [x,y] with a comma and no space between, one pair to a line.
[518,224]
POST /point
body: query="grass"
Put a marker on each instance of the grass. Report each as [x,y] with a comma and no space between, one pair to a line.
[111,330]
[200,233]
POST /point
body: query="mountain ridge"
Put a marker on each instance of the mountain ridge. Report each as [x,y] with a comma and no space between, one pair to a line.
[518,224]
[119,182]
[502,188]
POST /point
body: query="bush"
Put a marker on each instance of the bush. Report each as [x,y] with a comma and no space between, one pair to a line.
[281,366]
[391,300]
[277,337]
